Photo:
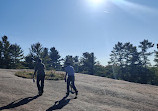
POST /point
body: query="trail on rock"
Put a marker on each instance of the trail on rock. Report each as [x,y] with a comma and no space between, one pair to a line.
[95,94]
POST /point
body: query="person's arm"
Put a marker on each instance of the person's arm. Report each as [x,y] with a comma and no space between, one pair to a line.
[34,74]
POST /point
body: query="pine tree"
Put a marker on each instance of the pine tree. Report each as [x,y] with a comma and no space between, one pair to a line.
[36,51]
[29,61]
[45,58]
[87,63]
[145,45]
[55,58]
[1,54]
[6,53]
[16,55]
[156,57]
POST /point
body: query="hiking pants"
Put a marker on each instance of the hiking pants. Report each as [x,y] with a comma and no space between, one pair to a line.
[40,86]
[72,80]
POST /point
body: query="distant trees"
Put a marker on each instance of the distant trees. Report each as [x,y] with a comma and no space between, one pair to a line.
[132,65]
[45,57]
[145,45]
[1,54]
[51,58]
[156,56]
[87,63]
[16,55]
[126,62]
[35,53]
[54,58]
[10,54]
[6,52]
[29,61]
[36,50]
[69,59]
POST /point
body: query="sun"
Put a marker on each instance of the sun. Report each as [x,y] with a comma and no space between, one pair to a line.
[97,1]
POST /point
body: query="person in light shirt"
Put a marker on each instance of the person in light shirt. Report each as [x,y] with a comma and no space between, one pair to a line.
[71,78]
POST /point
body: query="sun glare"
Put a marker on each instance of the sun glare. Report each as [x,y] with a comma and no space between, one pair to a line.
[96,3]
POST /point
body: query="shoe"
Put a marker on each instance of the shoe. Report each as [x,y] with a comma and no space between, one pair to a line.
[67,93]
[76,93]
[75,97]
[40,93]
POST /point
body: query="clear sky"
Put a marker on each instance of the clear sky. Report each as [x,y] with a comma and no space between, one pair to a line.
[77,26]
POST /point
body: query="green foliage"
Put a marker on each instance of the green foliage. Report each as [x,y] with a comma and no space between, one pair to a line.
[29,61]
[132,65]
[87,63]
[156,58]
[126,63]
[145,45]
[1,54]
[36,50]
[6,52]
[16,55]
[55,58]
[100,70]
[45,58]
[10,54]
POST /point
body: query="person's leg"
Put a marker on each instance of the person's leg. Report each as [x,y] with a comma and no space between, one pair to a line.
[73,85]
[38,85]
[68,84]
[42,83]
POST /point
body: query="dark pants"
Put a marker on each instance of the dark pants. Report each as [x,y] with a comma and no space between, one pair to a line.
[40,86]
[72,80]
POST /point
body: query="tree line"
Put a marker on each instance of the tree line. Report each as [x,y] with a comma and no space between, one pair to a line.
[12,56]
[132,65]
[126,62]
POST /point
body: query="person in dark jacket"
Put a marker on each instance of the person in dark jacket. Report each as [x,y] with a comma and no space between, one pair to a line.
[40,70]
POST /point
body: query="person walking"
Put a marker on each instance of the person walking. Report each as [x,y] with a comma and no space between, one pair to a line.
[39,69]
[71,78]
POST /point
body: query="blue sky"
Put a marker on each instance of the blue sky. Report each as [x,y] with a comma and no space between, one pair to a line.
[77,26]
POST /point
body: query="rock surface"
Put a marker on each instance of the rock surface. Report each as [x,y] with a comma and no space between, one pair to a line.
[95,94]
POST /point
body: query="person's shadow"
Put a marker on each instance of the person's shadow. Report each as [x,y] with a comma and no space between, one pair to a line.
[59,104]
[19,102]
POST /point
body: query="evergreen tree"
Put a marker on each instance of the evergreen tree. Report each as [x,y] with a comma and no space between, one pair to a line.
[117,58]
[16,55]
[145,45]
[45,58]
[6,52]
[76,63]
[69,59]
[55,58]
[1,54]
[156,57]
[126,60]
[36,51]
[87,63]
[29,61]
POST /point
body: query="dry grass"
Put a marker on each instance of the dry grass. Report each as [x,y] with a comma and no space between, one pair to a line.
[50,75]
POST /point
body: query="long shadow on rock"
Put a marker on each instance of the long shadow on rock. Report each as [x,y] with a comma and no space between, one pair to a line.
[59,104]
[19,102]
